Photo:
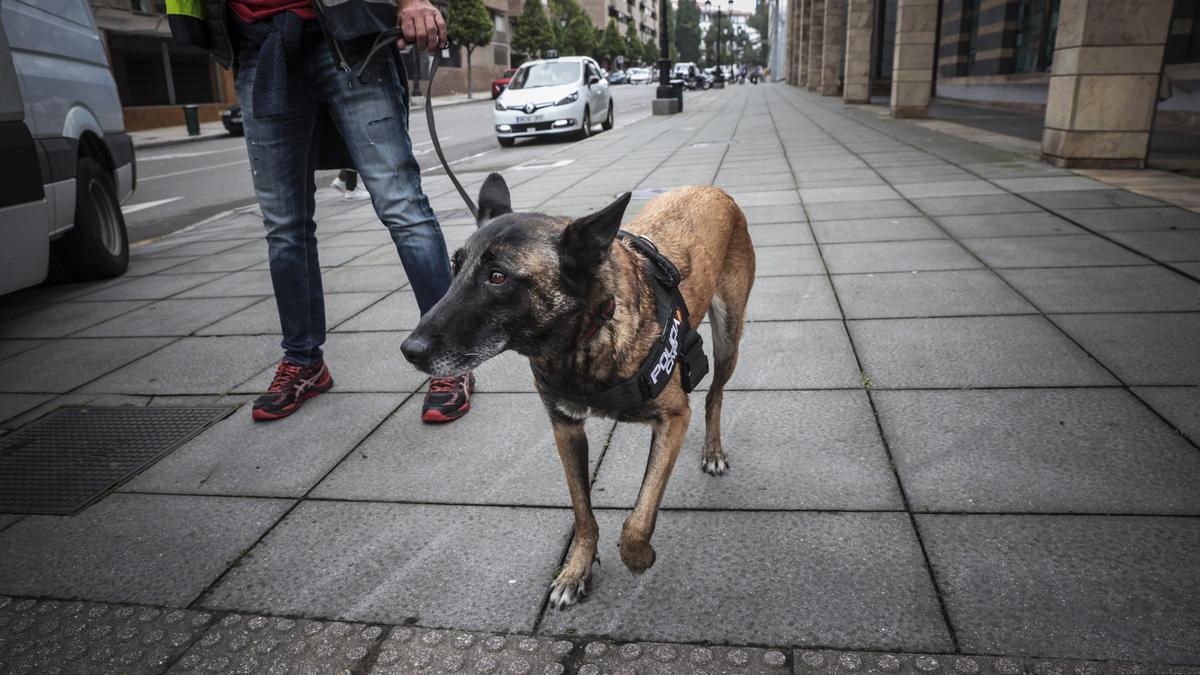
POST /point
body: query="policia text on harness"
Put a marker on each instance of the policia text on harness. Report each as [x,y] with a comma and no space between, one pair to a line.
[679,343]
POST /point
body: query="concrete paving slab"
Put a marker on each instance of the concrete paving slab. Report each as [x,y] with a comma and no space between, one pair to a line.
[359,362]
[794,355]
[792,298]
[153,287]
[781,234]
[169,248]
[778,261]
[997,351]
[262,318]
[1051,184]
[950,188]
[192,365]
[1181,245]
[45,636]
[1191,268]
[818,195]
[1146,349]
[1134,218]
[143,266]
[1106,289]
[504,453]
[64,318]
[239,457]
[161,550]
[508,372]
[475,568]
[397,311]
[974,205]
[227,261]
[8,519]
[897,256]
[249,282]
[888,208]
[1057,251]
[759,197]
[1090,199]
[13,347]
[927,294]
[258,644]
[1178,405]
[1070,586]
[363,279]
[875,229]
[169,317]
[1038,450]
[826,454]
[65,364]
[1007,225]
[818,579]
[12,405]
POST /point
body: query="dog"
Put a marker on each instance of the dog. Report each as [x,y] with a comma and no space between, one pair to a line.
[541,285]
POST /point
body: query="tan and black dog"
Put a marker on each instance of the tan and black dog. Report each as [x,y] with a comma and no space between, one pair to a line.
[541,285]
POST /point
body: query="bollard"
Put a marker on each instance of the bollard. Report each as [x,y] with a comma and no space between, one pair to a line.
[678,85]
[191,117]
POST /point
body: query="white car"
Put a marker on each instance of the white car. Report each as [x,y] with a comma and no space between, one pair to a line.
[639,75]
[553,96]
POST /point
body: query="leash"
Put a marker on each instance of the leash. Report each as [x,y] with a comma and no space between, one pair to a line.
[384,40]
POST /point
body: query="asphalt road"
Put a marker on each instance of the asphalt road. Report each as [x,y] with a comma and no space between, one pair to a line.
[183,184]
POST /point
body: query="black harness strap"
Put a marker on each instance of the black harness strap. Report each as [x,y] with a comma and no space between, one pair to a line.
[678,344]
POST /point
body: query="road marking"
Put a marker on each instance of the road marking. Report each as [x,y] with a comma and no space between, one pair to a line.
[184,155]
[439,166]
[554,165]
[148,205]
[187,171]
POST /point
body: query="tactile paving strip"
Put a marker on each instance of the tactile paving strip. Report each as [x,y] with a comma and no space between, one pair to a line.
[665,659]
[65,460]
[48,636]
[874,663]
[421,650]
[259,644]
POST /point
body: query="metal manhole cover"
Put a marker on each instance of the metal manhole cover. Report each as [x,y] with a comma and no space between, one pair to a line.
[67,459]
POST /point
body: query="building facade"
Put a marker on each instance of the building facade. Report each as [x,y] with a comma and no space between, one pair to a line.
[1103,72]
[156,77]
[638,15]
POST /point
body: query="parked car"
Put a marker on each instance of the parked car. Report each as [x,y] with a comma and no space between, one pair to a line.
[69,162]
[553,96]
[501,83]
[232,119]
[680,70]
[617,77]
[639,75]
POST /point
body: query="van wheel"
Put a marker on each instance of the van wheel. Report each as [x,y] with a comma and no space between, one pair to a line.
[506,142]
[608,121]
[97,247]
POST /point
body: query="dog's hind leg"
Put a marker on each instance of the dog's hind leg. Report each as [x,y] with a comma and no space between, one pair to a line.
[726,314]
[572,582]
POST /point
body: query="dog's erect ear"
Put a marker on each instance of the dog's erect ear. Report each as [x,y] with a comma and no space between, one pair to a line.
[493,198]
[586,242]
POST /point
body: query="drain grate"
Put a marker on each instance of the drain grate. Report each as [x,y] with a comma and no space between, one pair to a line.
[70,457]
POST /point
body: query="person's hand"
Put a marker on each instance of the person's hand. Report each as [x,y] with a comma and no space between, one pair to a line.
[422,24]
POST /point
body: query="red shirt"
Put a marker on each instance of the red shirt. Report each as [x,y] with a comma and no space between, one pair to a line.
[260,10]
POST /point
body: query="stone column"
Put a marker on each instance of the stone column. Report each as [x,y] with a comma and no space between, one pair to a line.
[834,40]
[816,43]
[803,9]
[912,62]
[1102,88]
[790,59]
[860,35]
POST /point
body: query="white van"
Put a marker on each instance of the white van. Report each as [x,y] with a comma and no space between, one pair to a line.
[68,164]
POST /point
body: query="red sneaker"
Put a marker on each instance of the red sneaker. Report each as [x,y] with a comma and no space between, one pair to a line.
[292,386]
[449,398]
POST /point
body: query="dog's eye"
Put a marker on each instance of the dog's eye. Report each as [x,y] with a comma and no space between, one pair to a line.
[497,278]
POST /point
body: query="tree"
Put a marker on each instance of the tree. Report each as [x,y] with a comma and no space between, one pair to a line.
[687,30]
[633,46]
[650,52]
[579,38]
[611,44]
[761,22]
[532,34]
[470,26]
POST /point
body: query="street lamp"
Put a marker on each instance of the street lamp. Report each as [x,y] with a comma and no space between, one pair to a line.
[719,78]
[667,101]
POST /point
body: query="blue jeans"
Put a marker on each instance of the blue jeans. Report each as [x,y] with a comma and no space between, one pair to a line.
[373,120]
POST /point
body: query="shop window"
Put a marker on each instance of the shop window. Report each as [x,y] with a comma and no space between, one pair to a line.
[1037,23]
[500,55]
[1183,45]
[152,71]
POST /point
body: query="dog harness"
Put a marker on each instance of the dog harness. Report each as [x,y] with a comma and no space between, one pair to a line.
[679,344]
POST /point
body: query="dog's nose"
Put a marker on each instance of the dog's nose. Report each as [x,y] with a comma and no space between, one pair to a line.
[416,349]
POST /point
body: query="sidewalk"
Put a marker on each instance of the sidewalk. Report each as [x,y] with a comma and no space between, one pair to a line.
[963,432]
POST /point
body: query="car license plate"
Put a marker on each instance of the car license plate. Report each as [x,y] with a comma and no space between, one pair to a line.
[525,119]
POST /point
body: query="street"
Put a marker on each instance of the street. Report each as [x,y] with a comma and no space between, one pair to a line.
[183,184]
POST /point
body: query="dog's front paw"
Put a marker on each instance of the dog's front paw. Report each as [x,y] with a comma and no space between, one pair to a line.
[638,557]
[568,589]
[714,462]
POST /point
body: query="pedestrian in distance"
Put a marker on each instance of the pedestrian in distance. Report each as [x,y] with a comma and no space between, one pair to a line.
[303,109]
[347,184]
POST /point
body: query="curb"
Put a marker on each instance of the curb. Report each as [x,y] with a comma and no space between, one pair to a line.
[167,142]
[419,101]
